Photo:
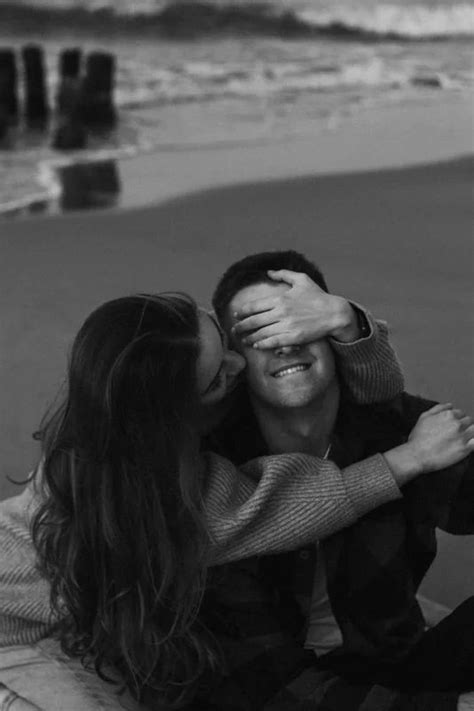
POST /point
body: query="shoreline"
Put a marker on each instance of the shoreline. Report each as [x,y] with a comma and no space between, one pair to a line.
[394,136]
[400,136]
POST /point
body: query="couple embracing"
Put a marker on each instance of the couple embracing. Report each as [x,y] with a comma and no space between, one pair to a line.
[237,529]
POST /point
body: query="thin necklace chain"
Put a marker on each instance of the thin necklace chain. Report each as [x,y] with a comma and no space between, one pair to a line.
[326,453]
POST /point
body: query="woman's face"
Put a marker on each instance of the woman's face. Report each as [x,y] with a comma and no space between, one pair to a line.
[217,366]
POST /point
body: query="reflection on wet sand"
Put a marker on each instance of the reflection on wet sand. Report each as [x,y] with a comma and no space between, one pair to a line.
[89,185]
[82,186]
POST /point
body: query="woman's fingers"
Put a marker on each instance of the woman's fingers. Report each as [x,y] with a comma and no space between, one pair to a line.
[465,421]
[255,307]
[261,334]
[285,275]
[469,434]
[294,279]
[439,408]
[251,323]
[279,341]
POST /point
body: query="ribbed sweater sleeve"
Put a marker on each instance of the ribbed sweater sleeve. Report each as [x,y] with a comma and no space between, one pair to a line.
[278,503]
[268,505]
[369,367]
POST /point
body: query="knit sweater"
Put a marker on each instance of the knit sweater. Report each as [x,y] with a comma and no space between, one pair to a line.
[271,504]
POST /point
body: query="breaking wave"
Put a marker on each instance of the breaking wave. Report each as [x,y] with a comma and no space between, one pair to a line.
[191,18]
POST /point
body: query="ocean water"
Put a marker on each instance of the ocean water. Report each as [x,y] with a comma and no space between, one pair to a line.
[233,71]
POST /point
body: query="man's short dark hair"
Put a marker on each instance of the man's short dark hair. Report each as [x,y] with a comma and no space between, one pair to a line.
[253,270]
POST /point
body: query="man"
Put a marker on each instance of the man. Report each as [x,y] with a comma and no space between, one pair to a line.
[357,590]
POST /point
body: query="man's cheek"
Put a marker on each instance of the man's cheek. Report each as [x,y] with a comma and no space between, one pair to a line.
[256,380]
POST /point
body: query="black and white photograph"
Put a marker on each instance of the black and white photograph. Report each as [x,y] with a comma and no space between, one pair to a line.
[236,355]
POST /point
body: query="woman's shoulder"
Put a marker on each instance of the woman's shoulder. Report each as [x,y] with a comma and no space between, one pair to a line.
[24,594]
[16,512]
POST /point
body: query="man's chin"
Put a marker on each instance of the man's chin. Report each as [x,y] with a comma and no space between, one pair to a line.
[291,399]
[283,403]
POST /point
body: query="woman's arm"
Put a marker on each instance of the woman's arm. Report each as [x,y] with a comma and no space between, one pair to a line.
[268,505]
[281,502]
[446,498]
[368,367]
[278,503]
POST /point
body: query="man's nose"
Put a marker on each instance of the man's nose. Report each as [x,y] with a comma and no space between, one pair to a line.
[287,350]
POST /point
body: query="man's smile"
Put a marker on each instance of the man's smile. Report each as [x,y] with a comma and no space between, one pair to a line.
[290,369]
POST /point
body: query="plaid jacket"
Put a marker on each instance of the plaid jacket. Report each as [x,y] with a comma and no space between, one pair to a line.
[374,569]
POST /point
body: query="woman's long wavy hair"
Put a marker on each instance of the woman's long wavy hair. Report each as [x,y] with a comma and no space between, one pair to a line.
[120,531]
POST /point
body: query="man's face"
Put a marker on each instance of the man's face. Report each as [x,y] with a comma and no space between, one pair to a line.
[287,377]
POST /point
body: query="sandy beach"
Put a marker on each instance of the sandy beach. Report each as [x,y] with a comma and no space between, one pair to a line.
[398,240]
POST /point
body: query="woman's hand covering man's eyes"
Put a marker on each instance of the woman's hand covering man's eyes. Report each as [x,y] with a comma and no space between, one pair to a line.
[302,314]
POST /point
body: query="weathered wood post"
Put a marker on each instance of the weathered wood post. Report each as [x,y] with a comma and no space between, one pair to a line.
[97,106]
[69,80]
[36,101]
[70,132]
[70,62]
[8,83]
[8,90]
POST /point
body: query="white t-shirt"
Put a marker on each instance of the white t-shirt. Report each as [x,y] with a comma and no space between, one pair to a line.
[323,631]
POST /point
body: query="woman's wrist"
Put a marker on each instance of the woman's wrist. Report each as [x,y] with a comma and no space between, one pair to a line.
[405,466]
[347,328]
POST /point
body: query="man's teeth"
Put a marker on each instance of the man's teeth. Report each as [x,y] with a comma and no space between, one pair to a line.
[292,369]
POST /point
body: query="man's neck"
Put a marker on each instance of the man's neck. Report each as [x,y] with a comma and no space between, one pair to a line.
[305,429]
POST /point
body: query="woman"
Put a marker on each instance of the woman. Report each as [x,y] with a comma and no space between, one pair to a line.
[128,515]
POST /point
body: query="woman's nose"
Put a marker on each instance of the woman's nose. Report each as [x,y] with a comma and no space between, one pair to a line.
[287,350]
[234,362]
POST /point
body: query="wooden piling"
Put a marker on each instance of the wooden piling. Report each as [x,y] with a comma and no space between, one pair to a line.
[70,133]
[8,85]
[3,125]
[97,107]
[36,101]
[70,62]
[69,80]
